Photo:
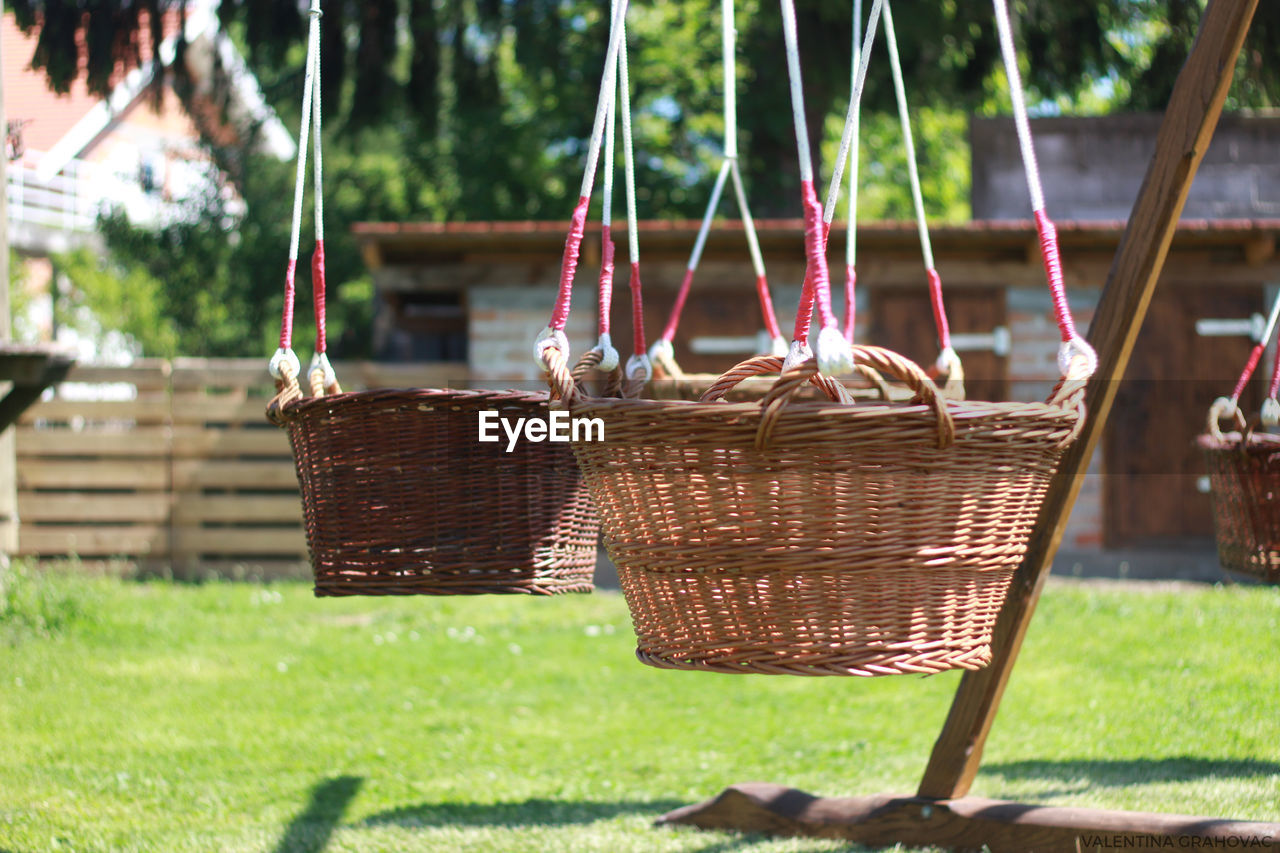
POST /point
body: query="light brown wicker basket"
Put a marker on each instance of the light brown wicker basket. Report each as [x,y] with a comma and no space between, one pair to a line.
[400,498]
[820,538]
[1244,490]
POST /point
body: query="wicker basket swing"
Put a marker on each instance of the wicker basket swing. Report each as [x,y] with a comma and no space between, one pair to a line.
[1244,476]
[839,537]
[398,495]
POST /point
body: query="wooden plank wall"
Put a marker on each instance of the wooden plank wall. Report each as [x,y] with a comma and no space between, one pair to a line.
[172,463]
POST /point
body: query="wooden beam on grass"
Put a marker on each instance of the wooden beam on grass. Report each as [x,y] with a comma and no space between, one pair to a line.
[1189,122]
[967,823]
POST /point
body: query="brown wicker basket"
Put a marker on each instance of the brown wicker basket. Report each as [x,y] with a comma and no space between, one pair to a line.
[400,498]
[820,538]
[1244,480]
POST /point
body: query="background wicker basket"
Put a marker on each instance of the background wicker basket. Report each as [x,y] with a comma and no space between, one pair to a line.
[816,538]
[400,498]
[1244,480]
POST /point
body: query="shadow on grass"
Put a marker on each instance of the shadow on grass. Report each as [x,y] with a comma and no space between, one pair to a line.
[537,812]
[309,832]
[1118,773]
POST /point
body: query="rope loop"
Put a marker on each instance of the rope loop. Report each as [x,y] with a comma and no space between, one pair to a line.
[550,339]
[1271,412]
[608,353]
[835,354]
[284,357]
[1077,359]
[639,368]
[662,355]
[797,354]
[323,379]
[948,362]
[1224,408]
[287,391]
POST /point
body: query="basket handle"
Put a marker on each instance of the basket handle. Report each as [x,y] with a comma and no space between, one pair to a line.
[761,365]
[878,359]
[1224,408]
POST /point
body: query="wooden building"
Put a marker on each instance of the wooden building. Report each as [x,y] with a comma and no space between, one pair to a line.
[482,291]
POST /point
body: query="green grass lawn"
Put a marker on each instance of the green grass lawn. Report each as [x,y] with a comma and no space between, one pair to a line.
[238,716]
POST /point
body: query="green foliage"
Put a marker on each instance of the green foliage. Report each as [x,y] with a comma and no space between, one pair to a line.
[36,603]
[20,301]
[884,192]
[210,282]
[108,295]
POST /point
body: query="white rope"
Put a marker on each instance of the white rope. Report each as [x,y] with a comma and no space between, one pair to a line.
[315,115]
[1019,105]
[695,257]
[308,84]
[638,366]
[319,360]
[1076,358]
[748,224]
[851,117]
[728,39]
[604,343]
[286,355]
[908,141]
[606,216]
[851,242]
[797,92]
[629,160]
[607,85]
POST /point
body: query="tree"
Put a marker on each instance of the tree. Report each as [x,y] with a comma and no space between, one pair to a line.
[493,98]
[480,109]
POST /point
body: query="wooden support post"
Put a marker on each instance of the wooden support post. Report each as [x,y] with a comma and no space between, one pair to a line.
[1184,137]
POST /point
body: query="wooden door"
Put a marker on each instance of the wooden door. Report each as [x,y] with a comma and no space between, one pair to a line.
[902,320]
[1151,463]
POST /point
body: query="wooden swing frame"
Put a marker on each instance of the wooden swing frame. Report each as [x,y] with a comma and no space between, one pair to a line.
[941,813]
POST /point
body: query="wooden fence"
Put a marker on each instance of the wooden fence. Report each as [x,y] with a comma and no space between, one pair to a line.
[173,463]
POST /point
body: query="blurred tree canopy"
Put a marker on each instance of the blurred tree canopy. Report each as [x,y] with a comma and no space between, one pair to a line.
[481,109]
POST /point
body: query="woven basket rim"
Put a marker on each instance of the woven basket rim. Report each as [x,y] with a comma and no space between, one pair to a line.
[470,396]
[960,410]
[1232,442]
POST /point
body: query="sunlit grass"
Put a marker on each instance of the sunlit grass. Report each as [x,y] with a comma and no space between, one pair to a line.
[169,717]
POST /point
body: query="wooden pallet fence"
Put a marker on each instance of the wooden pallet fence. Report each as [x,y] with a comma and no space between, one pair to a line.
[173,463]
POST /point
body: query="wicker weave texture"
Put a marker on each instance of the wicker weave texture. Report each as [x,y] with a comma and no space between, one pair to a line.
[851,545]
[400,498]
[1244,481]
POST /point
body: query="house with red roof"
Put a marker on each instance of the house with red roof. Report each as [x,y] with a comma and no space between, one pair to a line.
[70,152]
